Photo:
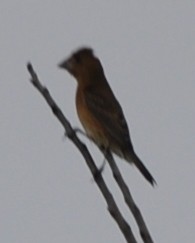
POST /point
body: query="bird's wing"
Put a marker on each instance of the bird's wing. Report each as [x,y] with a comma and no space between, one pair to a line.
[108,112]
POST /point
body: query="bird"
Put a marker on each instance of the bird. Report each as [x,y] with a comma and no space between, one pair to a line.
[98,109]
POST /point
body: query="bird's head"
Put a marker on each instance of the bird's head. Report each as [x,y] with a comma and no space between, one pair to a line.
[83,65]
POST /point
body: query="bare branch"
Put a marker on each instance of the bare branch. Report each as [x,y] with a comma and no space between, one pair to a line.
[112,207]
[144,232]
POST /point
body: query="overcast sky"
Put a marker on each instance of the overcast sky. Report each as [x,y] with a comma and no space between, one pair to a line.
[147,49]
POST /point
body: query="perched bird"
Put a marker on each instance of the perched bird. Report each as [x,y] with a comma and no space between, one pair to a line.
[99,111]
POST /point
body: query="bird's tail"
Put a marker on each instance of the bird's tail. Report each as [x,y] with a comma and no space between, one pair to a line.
[133,158]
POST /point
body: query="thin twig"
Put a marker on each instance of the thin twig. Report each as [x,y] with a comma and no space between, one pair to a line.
[144,232]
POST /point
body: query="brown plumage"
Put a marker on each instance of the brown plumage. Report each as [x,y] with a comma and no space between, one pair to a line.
[99,111]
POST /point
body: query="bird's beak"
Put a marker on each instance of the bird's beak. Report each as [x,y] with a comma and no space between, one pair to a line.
[67,64]
[63,64]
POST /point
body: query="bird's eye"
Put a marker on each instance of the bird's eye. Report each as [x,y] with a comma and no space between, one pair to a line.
[77,58]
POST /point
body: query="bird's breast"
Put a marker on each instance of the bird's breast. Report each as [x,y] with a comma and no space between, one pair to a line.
[91,125]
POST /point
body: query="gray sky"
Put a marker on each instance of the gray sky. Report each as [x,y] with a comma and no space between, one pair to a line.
[147,50]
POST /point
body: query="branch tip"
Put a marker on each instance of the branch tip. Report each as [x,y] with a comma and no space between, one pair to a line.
[29,67]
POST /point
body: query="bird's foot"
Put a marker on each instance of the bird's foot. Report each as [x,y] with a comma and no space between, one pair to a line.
[99,170]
